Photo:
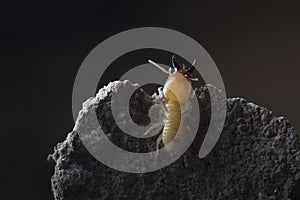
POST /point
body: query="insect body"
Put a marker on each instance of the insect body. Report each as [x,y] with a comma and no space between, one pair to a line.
[175,93]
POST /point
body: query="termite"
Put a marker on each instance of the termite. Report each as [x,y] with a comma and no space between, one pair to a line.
[176,92]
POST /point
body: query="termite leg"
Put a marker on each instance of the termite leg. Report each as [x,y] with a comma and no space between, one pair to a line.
[161,98]
[160,93]
[158,141]
[170,71]
[155,125]
[194,79]
[194,93]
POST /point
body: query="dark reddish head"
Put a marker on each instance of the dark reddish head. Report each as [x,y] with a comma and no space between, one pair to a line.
[185,71]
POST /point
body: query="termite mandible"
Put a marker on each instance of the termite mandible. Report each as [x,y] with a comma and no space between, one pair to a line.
[176,92]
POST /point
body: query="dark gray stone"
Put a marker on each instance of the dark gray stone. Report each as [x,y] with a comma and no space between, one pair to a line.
[256,157]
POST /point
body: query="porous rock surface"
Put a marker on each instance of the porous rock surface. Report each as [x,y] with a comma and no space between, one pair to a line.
[256,157]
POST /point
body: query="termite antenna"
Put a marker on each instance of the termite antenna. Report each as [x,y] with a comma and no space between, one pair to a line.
[158,66]
[174,63]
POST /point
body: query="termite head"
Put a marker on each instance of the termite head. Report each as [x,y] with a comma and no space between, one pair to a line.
[178,85]
[185,71]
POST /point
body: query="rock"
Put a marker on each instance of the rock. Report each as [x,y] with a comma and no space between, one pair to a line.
[256,157]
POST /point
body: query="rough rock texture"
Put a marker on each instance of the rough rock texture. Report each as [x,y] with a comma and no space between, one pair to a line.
[256,157]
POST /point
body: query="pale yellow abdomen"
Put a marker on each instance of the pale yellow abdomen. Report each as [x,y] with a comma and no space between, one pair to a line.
[177,92]
[172,121]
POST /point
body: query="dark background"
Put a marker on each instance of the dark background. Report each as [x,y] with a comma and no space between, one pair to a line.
[254,44]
